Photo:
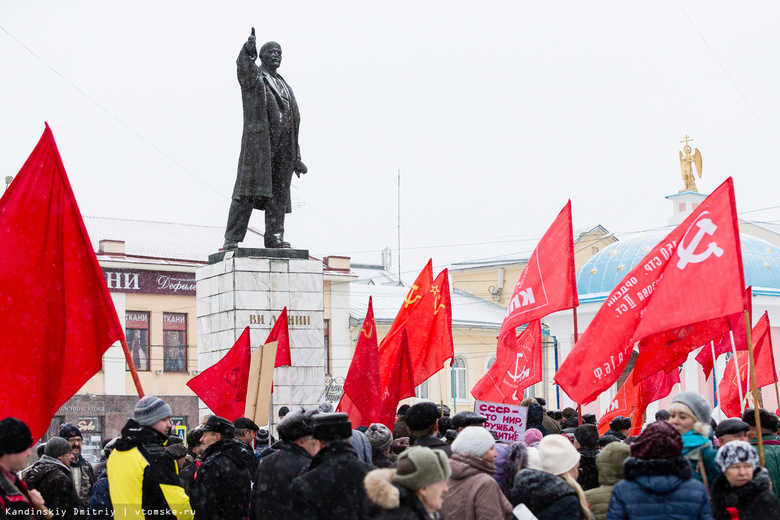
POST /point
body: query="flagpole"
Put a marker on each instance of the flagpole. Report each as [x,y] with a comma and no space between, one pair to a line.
[714,377]
[133,371]
[576,338]
[752,368]
[736,366]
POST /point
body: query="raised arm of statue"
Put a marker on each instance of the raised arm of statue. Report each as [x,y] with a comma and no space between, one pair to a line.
[245,63]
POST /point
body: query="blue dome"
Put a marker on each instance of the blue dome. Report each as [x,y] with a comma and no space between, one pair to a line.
[603,272]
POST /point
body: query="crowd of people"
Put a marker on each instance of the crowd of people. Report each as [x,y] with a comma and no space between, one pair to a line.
[431,466]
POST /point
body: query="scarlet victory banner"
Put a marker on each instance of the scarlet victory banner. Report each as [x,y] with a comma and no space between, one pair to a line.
[400,382]
[281,334]
[548,281]
[362,399]
[57,318]
[223,386]
[518,365]
[692,277]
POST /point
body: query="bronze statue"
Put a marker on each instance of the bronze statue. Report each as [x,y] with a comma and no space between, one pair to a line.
[686,165]
[269,146]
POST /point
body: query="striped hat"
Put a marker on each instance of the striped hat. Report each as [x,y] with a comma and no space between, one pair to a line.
[151,409]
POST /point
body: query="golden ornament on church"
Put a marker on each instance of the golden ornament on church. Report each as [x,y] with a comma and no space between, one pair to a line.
[686,165]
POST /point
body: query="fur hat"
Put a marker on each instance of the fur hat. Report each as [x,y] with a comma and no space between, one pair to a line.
[151,409]
[221,426]
[379,436]
[620,423]
[558,454]
[296,424]
[587,435]
[463,419]
[331,427]
[607,439]
[697,404]
[68,430]
[15,436]
[735,452]
[589,418]
[767,418]
[659,441]
[532,435]
[177,451]
[399,445]
[57,447]
[419,467]
[421,416]
[474,440]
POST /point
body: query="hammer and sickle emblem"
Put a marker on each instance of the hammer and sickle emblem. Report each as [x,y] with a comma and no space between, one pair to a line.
[409,300]
[370,332]
[231,377]
[687,254]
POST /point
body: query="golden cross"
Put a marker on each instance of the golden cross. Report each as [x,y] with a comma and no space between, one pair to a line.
[686,139]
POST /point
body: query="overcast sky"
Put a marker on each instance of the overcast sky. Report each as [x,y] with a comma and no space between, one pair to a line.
[494,113]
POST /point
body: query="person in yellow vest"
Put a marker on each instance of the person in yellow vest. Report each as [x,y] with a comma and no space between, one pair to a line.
[142,476]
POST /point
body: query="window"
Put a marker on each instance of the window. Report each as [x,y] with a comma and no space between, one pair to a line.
[137,327]
[491,361]
[175,342]
[459,379]
[421,392]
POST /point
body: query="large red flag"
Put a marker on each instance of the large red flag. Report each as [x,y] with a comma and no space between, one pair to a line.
[362,399]
[400,382]
[763,353]
[281,334]
[728,388]
[633,399]
[518,365]
[223,385]
[57,318]
[683,280]
[426,316]
[548,281]
[723,344]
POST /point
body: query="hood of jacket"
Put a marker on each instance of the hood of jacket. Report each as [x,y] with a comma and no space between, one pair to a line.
[538,489]
[134,435]
[659,476]
[43,468]
[233,449]
[610,463]
[382,493]
[465,465]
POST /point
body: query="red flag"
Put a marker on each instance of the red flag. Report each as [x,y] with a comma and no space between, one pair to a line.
[362,398]
[625,403]
[223,386]
[57,318]
[426,316]
[765,369]
[281,333]
[658,386]
[548,282]
[400,383]
[685,279]
[723,344]
[518,365]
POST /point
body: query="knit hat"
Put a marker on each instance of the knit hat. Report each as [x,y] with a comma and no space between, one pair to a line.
[421,416]
[419,467]
[262,435]
[659,441]
[731,427]
[331,427]
[463,419]
[57,447]
[68,430]
[295,425]
[558,454]
[534,459]
[735,452]
[15,436]
[151,409]
[379,436]
[473,440]
[588,436]
[697,404]
[221,426]
[532,435]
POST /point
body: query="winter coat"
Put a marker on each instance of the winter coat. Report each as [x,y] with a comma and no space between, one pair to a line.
[609,464]
[15,500]
[707,453]
[83,477]
[616,434]
[333,486]
[379,460]
[547,496]
[388,501]
[473,493]
[187,475]
[589,475]
[251,459]
[272,495]
[536,417]
[143,477]
[222,485]
[659,488]
[771,459]
[99,507]
[752,501]
[362,446]
[434,443]
[52,478]
[400,429]
[550,424]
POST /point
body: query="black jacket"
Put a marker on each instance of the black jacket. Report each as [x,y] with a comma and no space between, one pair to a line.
[222,484]
[589,475]
[754,500]
[99,507]
[333,486]
[547,496]
[616,434]
[272,495]
[53,480]
[435,444]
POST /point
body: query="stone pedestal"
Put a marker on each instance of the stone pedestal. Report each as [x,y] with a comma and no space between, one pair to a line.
[239,290]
